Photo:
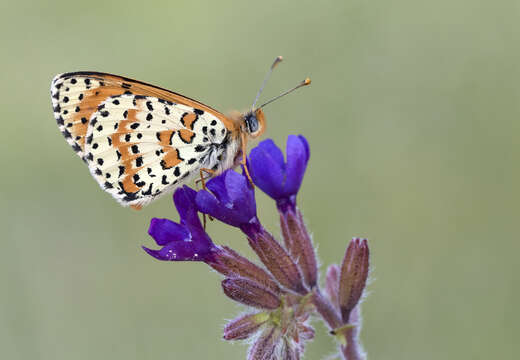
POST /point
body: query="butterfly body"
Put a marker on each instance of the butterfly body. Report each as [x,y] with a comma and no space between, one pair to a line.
[140,141]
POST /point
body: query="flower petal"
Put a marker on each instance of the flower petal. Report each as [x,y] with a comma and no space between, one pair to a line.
[241,194]
[180,251]
[267,168]
[231,199]
[306,145]
[207,203]
[217,186]
[184,199]
[297,151]
[164,231]
[274,151]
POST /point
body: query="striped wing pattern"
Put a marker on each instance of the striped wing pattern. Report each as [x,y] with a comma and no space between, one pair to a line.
[138,141]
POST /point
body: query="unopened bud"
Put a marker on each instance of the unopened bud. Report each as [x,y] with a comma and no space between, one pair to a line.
[276,260]
[299,244]
[229,263]
[250,293]
[332,284]
[244,326]
[265,346]
[353,276]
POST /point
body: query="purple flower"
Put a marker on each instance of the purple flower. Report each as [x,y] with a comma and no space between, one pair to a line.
[186,241]
[231,200]
[279,179]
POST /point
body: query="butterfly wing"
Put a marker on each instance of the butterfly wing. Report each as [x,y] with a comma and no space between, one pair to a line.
[139,141]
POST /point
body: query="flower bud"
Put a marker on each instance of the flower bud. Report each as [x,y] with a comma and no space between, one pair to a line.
[353,276]
[244,326]
[275,258]
[265,346]
[299,244]
[332,284]
[250,293]
[229,263]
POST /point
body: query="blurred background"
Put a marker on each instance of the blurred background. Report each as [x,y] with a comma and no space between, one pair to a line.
[413,121]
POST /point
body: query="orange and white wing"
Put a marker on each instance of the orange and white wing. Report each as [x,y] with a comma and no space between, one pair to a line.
[139,141]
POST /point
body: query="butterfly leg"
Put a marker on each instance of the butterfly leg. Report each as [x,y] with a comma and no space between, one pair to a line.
[203,181]
[202,178]
[243,162]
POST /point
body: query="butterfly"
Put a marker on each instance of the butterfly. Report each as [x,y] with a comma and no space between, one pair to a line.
[141,141]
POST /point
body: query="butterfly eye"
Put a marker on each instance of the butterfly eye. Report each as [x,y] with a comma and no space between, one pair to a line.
[251,123]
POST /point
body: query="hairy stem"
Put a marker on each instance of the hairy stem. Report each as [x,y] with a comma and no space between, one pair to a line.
[351,349]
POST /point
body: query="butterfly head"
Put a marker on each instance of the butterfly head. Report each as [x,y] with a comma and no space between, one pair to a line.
[254,123]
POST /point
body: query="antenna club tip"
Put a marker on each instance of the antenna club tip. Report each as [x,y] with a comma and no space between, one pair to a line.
[307,81]
[276,61]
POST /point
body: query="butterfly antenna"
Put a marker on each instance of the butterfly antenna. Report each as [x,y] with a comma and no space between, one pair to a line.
[305,82]
[275,62]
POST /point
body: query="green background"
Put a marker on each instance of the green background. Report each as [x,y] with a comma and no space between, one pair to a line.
[413,121]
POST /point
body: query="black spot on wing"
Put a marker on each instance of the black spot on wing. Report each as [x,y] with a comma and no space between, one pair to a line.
[76,148]
[149,191]
[163,181]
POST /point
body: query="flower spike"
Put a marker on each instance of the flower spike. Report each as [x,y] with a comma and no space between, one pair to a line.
[283,292]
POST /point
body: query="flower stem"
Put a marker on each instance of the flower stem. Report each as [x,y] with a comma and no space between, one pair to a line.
[326,310]
[353,350]
[349,335]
